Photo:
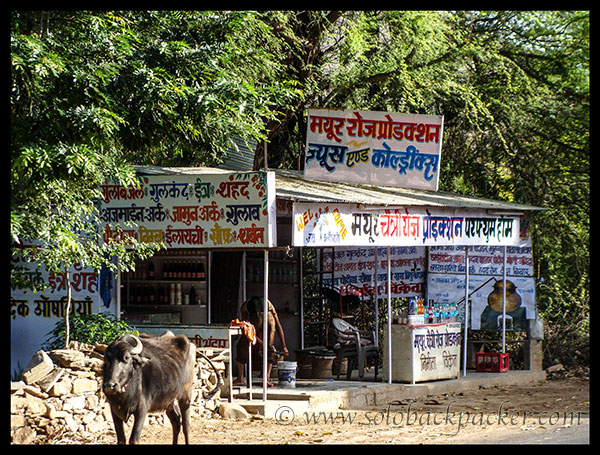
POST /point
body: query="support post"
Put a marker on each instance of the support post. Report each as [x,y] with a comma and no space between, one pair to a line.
[265,324]
[389,314]
[466,310]
[504,300]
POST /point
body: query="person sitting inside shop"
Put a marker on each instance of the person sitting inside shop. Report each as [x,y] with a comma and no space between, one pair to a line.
[252,311]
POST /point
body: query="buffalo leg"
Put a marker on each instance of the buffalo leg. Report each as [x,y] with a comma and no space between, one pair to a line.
[175,417]
[119,430]
[138,424]
[185,417]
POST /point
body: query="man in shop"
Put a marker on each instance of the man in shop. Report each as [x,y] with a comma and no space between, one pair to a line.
[252,311]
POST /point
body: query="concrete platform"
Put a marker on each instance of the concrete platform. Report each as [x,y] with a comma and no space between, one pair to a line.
[330,395]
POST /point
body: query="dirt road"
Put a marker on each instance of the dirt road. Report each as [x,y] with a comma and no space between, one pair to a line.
[489,415]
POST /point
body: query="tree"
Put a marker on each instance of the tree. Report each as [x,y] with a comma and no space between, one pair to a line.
[64,145]
[92,92]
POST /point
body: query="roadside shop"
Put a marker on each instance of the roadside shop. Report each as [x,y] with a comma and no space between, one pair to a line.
[365,212]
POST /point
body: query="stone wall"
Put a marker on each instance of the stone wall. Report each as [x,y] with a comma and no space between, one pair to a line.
[60,395]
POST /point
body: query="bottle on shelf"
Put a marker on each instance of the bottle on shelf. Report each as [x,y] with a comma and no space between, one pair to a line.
[151,295]
[172,294]
[151,270]
[178,295]
[192,295]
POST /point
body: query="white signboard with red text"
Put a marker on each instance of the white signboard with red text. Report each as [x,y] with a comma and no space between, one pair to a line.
[339,224]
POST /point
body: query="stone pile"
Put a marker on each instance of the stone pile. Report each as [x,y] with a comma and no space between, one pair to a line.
[60,395]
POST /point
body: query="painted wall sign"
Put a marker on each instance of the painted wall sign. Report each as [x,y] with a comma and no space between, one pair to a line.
[194,211]
[446,283]
[401,150]
[354,268]
[348,224]
[34,314]
[203,336]
[486,299]
[483,260]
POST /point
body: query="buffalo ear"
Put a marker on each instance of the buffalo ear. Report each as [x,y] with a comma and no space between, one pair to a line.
[140,360]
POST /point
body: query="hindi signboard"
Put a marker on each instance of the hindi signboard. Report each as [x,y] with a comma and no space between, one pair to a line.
[372,147]
[194,210]
[33,315]
[348,225]
[446,283]
[356,269]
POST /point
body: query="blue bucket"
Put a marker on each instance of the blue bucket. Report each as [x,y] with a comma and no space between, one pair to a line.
[286,372]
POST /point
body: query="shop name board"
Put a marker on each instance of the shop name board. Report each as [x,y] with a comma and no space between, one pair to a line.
[347,225]
[372,147]
[436,351]
[192,211]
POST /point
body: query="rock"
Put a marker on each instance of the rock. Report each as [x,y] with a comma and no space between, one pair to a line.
[36,392]
[96,426]
[80,346]
[61,388]
[71,424]
[75,402]
[16,387]
[38,367]
[24,435]
[51,379]
[50,411]
[89,418]
[17,420]
[555,368]
[84,385]
[17,403]
[34,405]
[92,401]
[95,364]
[68,357]
[233,411]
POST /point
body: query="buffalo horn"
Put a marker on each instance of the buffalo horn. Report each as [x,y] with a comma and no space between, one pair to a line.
[138,346]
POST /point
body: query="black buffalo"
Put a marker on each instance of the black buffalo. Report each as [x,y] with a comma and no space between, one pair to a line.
[149,374]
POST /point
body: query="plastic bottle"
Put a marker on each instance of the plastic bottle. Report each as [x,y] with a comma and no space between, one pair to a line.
[419,305]
[412,306]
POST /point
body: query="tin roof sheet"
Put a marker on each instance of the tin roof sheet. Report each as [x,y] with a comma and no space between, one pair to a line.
[292,185]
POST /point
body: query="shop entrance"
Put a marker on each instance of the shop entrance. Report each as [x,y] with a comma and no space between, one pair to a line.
[225,286]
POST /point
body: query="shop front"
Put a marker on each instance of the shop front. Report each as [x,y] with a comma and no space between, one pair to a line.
[222,231]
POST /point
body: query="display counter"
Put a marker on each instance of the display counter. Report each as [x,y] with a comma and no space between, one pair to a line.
[423,352]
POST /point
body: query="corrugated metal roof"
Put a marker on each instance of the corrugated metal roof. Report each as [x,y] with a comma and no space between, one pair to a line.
[241,159]
[292,185]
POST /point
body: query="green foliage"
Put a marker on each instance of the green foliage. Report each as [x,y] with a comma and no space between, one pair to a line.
[99,328]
